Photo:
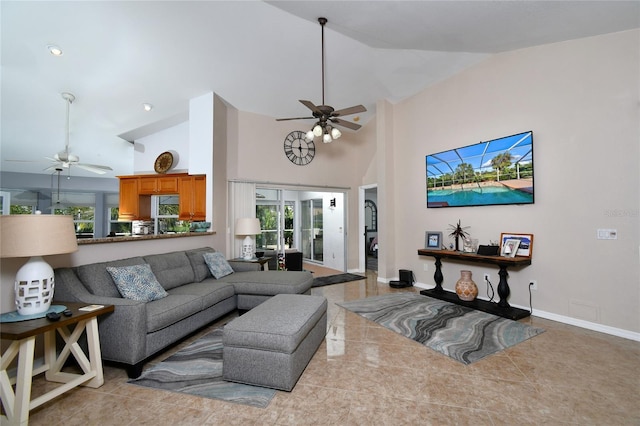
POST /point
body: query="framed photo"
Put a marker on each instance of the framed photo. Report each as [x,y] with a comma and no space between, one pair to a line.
[433,240]
[510,247]
[525,248]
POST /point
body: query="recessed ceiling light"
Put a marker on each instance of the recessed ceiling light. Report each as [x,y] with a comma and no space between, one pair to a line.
[54,50]
[147,107]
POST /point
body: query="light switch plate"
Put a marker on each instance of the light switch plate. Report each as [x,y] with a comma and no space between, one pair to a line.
[607,234]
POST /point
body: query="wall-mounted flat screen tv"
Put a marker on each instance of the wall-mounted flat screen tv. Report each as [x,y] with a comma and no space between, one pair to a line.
[494,172]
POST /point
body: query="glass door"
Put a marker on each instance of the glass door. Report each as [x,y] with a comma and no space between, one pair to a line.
[276,221]
[311,229]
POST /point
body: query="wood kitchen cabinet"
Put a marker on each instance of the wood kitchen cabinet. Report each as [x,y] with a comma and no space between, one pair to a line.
[132,205]
[192,204]
[136,192]
[158,185]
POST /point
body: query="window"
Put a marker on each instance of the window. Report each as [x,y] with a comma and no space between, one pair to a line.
[165,210]
[83,218]
[118,227]
[82,207]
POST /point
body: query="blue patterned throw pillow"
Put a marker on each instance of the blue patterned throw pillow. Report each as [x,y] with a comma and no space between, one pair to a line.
[217,264]
[137,282]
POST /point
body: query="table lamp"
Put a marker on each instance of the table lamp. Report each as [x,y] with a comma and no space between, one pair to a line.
[34,236]
[249,227]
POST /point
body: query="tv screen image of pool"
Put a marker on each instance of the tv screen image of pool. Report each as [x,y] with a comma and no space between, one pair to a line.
[495,172]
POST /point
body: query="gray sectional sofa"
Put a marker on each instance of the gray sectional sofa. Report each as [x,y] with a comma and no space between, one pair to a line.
[137,330]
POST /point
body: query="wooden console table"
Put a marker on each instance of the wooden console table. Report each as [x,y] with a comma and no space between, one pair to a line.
[502,308]
[23,336]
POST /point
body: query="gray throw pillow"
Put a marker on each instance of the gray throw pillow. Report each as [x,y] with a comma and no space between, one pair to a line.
[137,282]
[217,264]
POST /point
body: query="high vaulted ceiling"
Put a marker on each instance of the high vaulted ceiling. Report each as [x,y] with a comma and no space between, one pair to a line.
[260,56]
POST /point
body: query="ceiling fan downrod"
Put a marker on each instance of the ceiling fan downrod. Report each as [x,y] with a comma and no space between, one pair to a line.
[69,98]
[322,22]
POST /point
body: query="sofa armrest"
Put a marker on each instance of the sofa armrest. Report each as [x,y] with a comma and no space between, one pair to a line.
[240,266]
[125,327]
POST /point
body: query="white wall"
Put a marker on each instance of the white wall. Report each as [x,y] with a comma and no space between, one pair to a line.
[581,100]
[174,138]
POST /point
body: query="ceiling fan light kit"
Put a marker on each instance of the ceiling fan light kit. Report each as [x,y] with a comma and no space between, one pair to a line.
[326,114]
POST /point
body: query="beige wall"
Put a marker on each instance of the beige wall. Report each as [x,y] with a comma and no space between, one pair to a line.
[580,99]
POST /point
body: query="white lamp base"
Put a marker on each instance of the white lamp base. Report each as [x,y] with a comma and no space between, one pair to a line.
[247,248]
[34,287]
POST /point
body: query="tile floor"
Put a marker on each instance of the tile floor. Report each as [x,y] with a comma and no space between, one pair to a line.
[364,374]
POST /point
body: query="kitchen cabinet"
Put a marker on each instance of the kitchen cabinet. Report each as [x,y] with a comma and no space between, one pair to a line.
[132,205]
[158,185]
[136,192]
[192,204]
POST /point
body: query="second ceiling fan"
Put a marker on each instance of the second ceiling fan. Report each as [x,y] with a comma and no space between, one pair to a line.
[326,114]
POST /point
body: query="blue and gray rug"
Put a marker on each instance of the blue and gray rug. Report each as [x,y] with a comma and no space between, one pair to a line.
[462,333]
[197,370]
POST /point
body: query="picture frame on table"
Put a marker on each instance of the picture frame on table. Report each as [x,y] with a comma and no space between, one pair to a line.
[509,247]
[525,248]
[433,240]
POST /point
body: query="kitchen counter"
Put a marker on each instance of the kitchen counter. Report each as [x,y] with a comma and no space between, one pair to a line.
[120,239]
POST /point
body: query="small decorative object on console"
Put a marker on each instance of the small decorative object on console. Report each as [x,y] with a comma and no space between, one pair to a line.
[433,240]
[457,231]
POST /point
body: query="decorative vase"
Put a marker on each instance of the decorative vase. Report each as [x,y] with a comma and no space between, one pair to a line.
[466,289]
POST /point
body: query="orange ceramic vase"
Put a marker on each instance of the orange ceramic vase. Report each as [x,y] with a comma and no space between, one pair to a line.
[466,289]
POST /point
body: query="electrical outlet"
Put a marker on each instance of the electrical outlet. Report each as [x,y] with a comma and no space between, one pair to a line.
[425,267]
[487,277]
[533,284]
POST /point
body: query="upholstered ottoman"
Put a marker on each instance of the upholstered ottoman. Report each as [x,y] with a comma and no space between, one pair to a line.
[272,344]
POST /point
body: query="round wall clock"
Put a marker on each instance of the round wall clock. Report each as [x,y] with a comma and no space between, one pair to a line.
[163,162]
[298,149]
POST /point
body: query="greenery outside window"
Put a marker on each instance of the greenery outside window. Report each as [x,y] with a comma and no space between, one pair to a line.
[118,227]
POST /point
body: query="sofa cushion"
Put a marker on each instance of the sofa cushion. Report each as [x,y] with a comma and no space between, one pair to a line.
[171,269]
[200,268]
[217,264]
[137,282]
[269,283]
[98,281]
[170,310]
[209,292]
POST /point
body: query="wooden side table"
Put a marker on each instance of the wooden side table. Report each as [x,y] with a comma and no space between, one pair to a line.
[260,260]
[23,336]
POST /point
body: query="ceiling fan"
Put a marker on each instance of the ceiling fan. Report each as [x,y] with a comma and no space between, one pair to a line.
[64,158]
[326,114]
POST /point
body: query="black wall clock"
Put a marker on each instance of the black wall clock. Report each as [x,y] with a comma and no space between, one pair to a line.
[298,149]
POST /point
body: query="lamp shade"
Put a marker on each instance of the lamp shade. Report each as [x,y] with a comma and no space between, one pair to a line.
[35,236]
[29,235]
[248,226]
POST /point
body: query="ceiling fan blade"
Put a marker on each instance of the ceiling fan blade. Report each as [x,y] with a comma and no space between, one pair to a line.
[351,110]
[311,106]
[12,160]
[295,118]
[93,168]
[347,124]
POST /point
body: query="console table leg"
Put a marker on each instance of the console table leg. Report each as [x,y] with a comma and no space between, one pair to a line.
[438,277]
[503,287]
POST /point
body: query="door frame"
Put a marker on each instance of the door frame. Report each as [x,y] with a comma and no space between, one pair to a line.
[362,266]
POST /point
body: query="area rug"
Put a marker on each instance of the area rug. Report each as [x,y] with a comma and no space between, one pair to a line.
[197,370]
[464,334]
[336,279]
